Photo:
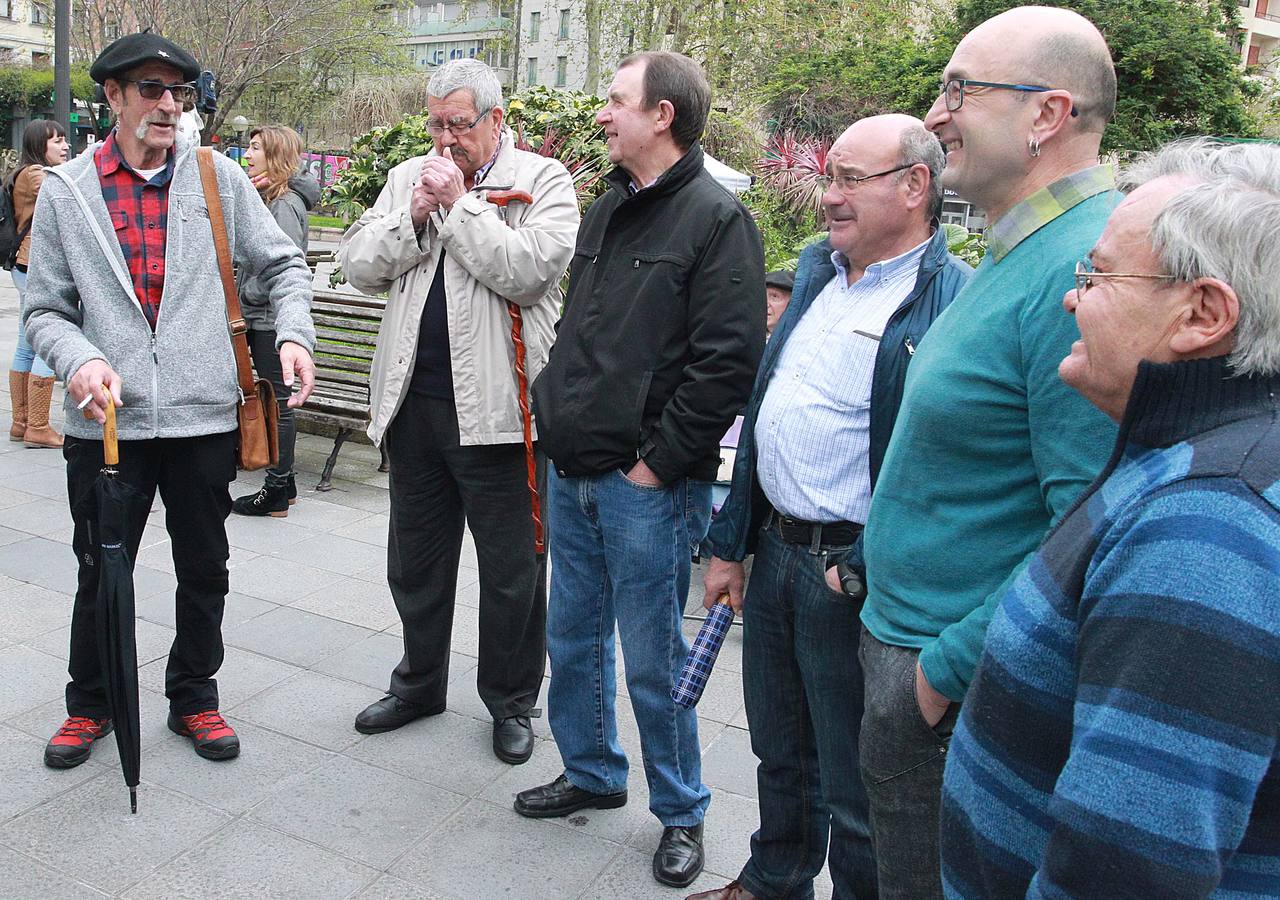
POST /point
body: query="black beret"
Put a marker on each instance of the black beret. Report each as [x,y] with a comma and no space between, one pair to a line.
[780,279]
[133,50]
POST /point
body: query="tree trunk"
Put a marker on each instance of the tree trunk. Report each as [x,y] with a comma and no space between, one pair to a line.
[591,78]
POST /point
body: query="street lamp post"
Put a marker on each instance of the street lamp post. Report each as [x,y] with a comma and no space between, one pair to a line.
[239,125]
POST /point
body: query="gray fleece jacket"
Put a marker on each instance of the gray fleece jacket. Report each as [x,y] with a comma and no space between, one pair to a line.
[179,381]
[290,213]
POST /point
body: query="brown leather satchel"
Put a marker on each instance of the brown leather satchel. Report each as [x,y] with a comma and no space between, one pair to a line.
[259,444]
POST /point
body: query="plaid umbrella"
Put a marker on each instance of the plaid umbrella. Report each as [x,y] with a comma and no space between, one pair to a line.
[702,656]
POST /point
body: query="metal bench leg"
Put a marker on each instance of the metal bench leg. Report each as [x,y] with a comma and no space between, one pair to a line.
[324,484]
[385,465]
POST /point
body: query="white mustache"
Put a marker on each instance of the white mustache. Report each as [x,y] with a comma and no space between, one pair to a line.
[155,119]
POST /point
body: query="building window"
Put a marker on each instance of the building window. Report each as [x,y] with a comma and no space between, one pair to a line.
[110,31]
[562,70]
[564,23]
[531,71]
[39,15]
[535,25]
[6,9]
[40,60]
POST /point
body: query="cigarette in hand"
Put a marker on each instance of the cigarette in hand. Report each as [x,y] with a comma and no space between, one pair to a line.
[88,398]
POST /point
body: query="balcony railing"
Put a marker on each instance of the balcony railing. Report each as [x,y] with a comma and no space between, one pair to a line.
[1270,17]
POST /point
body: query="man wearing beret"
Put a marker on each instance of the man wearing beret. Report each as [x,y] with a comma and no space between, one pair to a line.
[124,299]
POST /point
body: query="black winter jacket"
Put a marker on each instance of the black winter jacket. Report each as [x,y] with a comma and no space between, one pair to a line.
[662,330]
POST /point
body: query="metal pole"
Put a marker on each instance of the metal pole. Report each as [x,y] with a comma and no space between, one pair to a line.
[62,65]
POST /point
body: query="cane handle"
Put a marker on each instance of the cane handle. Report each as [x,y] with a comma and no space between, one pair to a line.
[110,445]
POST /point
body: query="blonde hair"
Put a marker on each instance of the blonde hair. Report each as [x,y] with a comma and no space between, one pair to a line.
[282,150]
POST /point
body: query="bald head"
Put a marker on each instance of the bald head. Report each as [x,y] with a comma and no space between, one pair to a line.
[912,142]
[1054,48]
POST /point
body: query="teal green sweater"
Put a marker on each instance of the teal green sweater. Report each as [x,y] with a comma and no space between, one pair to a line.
[990,447]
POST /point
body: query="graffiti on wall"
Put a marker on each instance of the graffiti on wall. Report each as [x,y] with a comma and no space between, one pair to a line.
[325,166]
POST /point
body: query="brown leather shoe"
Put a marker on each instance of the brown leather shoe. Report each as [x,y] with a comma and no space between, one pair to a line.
[731,891]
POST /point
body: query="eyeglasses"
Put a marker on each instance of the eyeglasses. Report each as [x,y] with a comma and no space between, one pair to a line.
[457,129]
[153,90]
[953,90]
[1085,276]
[846,183]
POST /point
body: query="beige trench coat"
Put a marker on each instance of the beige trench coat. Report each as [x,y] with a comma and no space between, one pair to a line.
[487,263]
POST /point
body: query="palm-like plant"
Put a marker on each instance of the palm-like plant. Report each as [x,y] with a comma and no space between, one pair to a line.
[793,166]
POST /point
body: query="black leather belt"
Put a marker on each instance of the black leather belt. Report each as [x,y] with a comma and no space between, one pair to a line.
[814,534]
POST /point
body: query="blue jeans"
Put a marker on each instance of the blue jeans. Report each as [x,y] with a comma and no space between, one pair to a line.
[620,554]
[24,358]
[803,690]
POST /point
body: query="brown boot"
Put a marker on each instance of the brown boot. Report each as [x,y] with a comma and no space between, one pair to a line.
[38,433]
[18,397]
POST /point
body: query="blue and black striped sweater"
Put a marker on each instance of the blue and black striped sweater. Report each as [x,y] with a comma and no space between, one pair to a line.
[1120,736]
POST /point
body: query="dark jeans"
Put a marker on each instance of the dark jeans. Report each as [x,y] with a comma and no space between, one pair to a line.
[266,362]
[803,692]
[192,475]
[435,485]
[902,760]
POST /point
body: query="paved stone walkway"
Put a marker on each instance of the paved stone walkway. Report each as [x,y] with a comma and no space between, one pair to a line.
[311,809]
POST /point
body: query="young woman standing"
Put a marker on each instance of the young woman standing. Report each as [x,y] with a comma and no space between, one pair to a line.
[273,156]
[44,143]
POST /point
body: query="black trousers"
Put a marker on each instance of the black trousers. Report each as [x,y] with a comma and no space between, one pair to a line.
[192,475]
[266,362]
[436,485]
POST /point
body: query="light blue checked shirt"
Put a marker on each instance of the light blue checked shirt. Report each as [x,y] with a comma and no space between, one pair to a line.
[813,430]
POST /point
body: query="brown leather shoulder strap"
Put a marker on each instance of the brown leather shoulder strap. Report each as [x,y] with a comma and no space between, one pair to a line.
[235,318]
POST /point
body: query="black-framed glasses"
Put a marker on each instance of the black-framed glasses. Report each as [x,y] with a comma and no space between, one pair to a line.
[457,129]
[846,184]
[149,89]
[1085,276]
[953,90]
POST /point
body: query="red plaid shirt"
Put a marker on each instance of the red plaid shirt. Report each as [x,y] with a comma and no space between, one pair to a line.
[139,212]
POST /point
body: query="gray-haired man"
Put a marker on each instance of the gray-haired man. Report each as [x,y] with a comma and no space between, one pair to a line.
[445,395]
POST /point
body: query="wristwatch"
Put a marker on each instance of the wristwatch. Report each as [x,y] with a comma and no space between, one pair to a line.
[851,581]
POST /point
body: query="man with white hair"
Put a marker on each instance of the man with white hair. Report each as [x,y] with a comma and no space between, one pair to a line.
[1119,738]
[446,399]
[990,447]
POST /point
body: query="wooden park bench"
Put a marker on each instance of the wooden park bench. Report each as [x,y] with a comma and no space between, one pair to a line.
[346,334]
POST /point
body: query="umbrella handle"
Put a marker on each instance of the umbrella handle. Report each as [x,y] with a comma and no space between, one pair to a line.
[110,446]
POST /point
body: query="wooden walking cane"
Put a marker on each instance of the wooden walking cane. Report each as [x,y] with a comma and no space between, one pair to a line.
[501,199]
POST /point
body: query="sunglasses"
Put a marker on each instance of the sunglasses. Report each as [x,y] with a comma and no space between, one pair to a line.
[184,93]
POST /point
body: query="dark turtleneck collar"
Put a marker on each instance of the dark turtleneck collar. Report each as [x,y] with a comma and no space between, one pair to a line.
[1171,402]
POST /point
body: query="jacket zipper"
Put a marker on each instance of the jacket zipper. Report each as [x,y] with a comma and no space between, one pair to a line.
[911,348]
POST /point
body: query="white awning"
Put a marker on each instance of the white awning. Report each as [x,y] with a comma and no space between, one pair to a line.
[731,178]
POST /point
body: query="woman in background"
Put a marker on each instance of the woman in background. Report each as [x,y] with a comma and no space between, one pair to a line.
[273,156]
[44,143]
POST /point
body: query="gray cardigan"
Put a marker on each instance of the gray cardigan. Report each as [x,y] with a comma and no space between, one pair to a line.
[179,381]
[290,212]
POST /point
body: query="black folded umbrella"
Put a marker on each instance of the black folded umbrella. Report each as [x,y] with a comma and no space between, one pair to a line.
[110,507]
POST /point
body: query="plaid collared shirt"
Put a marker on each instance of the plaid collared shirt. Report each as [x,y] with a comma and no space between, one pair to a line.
[139,213]
[1044,206]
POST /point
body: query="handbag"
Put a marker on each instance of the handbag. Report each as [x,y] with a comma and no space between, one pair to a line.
[258,446]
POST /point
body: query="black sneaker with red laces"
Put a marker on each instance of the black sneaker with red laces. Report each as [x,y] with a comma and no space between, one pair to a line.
[73,742]
[213,737]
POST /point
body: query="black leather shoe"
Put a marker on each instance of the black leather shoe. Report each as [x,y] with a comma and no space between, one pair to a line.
[678,859]
[560,797]
[390,713]
[513,739]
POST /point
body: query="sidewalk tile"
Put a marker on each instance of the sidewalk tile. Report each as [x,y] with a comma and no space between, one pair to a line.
[368,662]
[11,497]
[354,601]
[279,580]
[293,635]
[28,610]
[388,887]
[332,553]
[243,675]
[35,558]
[372,530]
[112,848]
[28,678]
[24,877]
[484,850]
[322,515]
[358,810]
[268,762]
[248,860]
[262,535]
[729,765]
[447,750]
[629,876]
[38,516]
[310,707]
[45,480]
[27,780]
